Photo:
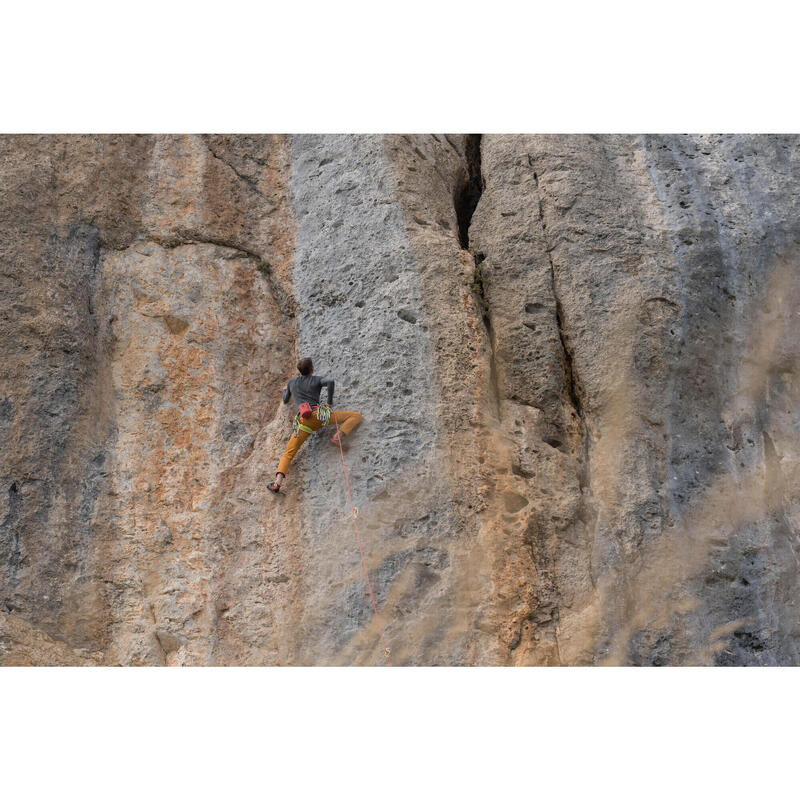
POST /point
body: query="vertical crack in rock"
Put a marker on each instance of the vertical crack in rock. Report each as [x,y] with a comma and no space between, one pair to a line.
[494,377]
[469,193]
[466,201]
[571,380]
[479,288]
[569,367]
[8,527]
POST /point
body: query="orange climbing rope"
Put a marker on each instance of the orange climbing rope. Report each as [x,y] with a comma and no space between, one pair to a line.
[358,537]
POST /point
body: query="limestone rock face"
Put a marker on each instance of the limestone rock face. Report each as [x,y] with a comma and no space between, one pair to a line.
[576,357]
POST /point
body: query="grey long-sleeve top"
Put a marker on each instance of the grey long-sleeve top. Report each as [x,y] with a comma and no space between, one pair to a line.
[307,389]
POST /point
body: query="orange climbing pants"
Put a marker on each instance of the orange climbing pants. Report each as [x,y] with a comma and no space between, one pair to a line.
[347,420]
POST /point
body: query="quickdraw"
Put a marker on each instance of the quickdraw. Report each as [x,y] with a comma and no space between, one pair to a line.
[324,413]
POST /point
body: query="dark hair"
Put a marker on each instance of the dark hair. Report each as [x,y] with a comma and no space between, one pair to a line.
[304,366]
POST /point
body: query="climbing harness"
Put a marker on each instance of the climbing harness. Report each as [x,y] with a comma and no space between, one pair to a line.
[354,510]
[305,411]
[298,426]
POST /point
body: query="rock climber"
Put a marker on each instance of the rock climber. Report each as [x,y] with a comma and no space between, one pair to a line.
[311,416]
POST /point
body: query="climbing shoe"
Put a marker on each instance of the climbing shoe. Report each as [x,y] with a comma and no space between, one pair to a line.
[274,487]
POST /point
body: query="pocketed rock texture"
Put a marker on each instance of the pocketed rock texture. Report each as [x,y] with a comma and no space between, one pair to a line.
[576,357]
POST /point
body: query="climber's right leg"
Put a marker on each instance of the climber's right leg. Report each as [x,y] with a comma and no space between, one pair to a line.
[292,446]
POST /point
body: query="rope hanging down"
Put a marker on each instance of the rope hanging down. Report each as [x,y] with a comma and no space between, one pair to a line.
[386,650]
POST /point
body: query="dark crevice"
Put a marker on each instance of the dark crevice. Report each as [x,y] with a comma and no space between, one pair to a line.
[479,288]
[469,192]
[466,200]
[479,292]
[569,367]
[11,553]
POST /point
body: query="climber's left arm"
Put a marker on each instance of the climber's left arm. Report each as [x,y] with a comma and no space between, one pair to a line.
[329,382]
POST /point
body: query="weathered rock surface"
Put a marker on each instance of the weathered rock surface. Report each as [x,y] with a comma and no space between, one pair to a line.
[576,356]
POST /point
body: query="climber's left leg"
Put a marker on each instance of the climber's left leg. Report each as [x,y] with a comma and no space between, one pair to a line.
[346,420]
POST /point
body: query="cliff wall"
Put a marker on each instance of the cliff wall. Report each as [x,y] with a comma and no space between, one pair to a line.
[576,357]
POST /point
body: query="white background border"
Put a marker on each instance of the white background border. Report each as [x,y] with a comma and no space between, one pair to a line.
[412,66]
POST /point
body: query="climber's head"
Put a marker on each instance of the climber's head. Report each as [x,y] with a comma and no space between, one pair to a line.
[305,366]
